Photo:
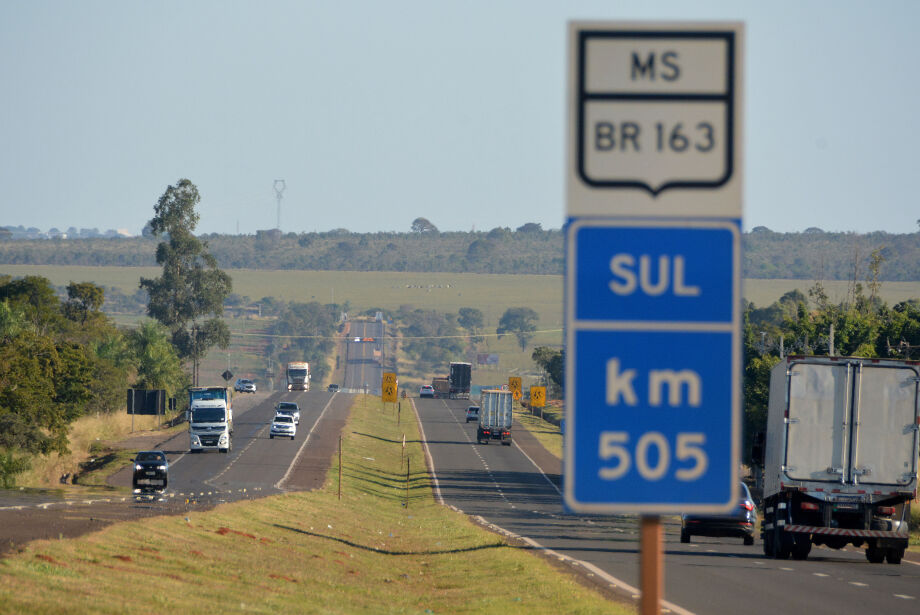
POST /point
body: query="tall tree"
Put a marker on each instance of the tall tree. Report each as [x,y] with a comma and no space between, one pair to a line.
[471,319]
[189,297]
[423,225]
[519,321]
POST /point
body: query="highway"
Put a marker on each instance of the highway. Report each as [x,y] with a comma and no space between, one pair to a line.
[256,466]
[364,356]
[710,575]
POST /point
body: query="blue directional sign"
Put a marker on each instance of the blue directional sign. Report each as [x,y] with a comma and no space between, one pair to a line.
[653,341]
[653,267]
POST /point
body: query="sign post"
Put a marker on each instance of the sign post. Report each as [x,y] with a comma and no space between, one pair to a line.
[653,273]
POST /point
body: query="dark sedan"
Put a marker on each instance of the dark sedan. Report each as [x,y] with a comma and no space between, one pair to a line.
[740,522]
[151,471]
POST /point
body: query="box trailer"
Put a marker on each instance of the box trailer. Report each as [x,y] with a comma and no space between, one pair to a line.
[495,416]
[841,451]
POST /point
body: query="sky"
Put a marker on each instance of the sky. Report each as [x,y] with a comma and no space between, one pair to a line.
[377,113]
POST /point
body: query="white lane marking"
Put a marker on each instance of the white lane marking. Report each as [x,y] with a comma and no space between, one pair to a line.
[858,584]
[302,446]
[904,597]
[787,569]
[610,579]
[820,574]
[539,469]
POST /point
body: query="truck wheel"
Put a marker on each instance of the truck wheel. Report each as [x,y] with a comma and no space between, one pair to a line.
[749,540]
[782,544]
[894,555]
[768,544]
[506,442]
[271,436]
[801,547]
[875,555]
[684,536]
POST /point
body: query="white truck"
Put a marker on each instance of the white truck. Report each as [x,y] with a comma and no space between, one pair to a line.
[210,419]
[495,416]
[841,452]
[298,376]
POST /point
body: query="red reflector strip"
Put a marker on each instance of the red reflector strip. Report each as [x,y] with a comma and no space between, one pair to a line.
[809,506]
[885,510]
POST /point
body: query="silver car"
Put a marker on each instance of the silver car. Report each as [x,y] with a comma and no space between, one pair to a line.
[283,425]
[290,408]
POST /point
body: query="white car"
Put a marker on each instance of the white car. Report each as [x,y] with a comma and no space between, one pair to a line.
[283,425]
[290,408]
[244,385]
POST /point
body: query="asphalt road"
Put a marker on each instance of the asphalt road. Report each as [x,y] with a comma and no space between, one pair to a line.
[256,466]
[364,356]
[710,575]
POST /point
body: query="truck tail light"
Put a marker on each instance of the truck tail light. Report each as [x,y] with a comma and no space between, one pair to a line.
[885,510]
[809,506]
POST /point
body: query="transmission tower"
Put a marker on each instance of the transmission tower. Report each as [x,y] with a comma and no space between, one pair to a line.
[279,192]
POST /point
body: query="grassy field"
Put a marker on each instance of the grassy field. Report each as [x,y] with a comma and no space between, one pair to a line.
[492,294]
[385,547]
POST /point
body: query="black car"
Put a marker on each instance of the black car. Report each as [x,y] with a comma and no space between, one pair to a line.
[151,471]
[740,522]
[332,388]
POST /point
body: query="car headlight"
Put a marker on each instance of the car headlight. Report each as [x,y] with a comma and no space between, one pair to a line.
[195,439]
[138,467]
[161,467]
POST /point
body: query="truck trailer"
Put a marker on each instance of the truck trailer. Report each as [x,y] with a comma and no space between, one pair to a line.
[495,416]
[298,376]
[460,377]
[841,456]
[441,387]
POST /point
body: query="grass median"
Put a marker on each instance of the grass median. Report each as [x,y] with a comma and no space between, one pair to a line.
[385,547]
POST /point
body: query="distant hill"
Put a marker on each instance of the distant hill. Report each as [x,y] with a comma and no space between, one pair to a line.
[809,255]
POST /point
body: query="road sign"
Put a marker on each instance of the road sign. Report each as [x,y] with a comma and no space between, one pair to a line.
[655,115]
[537,397]
[653,268]
[227,375]
[514,383]
[388,387]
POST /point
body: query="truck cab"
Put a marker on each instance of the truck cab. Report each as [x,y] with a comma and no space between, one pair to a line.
[210,426]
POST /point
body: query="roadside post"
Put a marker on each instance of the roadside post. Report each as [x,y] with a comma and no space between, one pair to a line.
[653,274]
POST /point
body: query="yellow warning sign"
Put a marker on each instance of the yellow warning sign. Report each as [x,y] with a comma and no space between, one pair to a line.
[514,383]
[537,397]
[388,387]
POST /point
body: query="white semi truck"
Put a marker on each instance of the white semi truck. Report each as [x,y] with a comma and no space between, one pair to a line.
[298,376]
[841,456]
[210,419]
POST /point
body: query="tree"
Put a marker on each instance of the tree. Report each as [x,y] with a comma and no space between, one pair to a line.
[530,227]
[552,361]
[520,321]
[422,225]
[189,297]
[471,319]
[83,300]
[158,365]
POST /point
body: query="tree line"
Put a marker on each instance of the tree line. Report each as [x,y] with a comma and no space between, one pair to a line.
[529,249]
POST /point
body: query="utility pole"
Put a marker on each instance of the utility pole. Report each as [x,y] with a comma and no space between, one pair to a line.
[279,192]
